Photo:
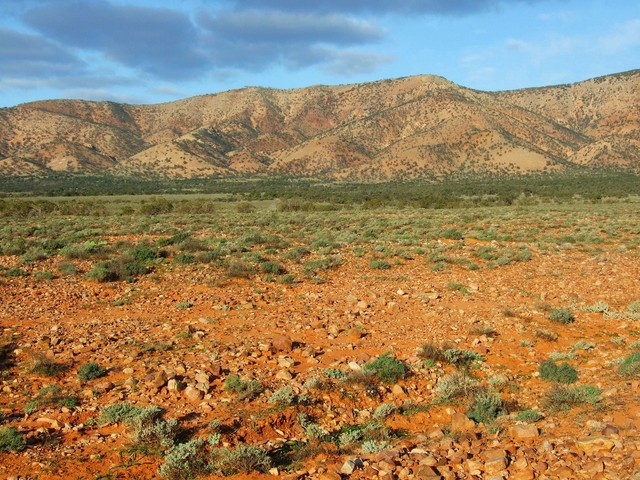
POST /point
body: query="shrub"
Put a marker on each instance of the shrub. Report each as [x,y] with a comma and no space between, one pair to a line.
[245,389]
[630,366]
[122,268]
[16,272]
[142,253]
[451,234]
[453,387]
[374,446]
[156,206]
[50,396]
[432,352]
[148,426]
[387,369]
[184,258]
[561,315]
[245,207]
[365,379]
[383,411]
[89,371]
[379,264]
[547,335]
[43,365]
[460,287]
[119,412]
[563,373]
[67,268]
[270,267]
[486,407]
[296,253]
[334,373]
[185,460]
[84,250]
[11,440]
[562,397]
[243,459]
[239,269]
[461,358]
[282,397]
[529,416]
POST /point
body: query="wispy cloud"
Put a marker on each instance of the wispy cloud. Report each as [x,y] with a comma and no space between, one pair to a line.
[552,45]
[625,36]
[402,7]
[31,56]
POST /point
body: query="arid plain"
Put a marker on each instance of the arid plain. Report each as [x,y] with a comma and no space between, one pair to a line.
[269,338]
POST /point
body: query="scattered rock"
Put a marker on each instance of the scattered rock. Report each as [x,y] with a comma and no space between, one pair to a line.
[461,423]
[282,343]
[350,465]
[193,394]
[524,431]
[595,444]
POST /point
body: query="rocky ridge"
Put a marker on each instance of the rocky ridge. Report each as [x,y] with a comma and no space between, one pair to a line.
[414,127]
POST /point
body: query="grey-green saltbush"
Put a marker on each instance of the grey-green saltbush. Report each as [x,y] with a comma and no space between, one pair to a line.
[486,407]
[453,386]
[383,411]
[283,396]
[374,446]
[184,460]
[242,459]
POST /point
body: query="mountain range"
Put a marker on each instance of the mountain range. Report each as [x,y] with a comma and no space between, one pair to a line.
[414,127]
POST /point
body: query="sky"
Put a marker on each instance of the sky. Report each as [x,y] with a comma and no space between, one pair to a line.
[153,51]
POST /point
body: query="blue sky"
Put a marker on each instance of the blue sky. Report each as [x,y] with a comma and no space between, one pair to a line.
[148,51]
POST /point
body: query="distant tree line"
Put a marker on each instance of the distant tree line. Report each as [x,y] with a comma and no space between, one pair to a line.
[307,195]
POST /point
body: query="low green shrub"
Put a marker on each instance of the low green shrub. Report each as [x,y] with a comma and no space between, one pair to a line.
[242,459]
[460,358]
[118,412]
[562,373]
[245,389]
[89,371]
[374,446]
[271,267]
[486,407]
[630,366]
[147,424]
[562,397]
[562,315]
[379,264]
[11,440]
[387,369]
[529,416]
[51,396]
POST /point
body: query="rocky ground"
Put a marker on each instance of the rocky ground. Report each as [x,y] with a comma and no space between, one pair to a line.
[178,337]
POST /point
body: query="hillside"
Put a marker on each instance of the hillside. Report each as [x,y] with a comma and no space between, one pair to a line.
[414,127]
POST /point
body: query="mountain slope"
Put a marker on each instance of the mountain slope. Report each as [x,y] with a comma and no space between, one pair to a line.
[422,126]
